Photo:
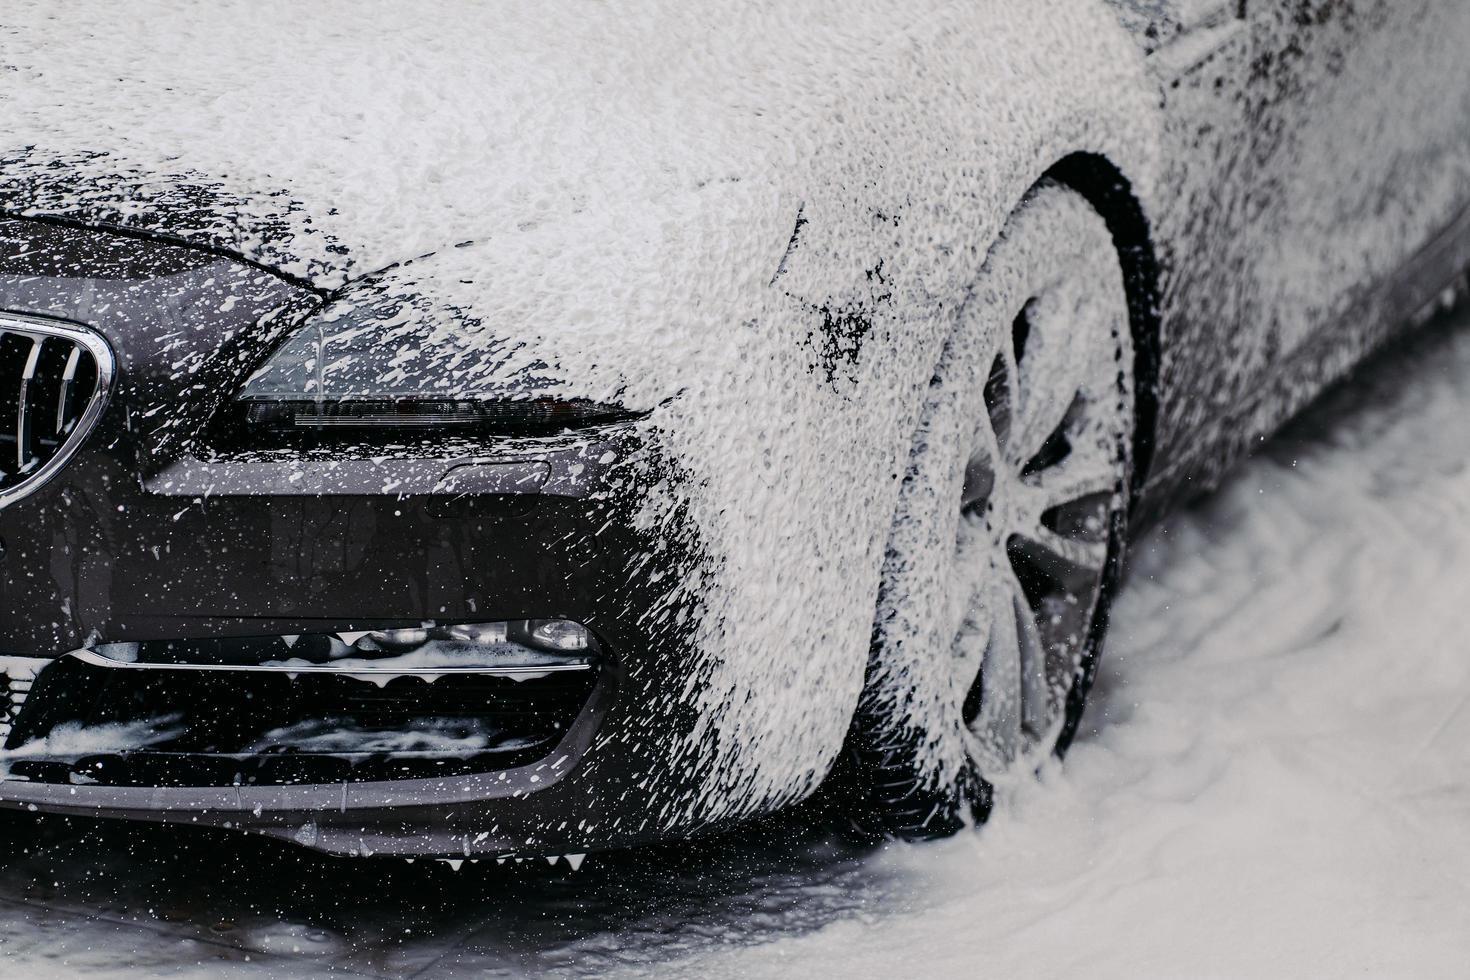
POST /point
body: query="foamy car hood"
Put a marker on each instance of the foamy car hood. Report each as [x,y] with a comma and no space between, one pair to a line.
[330,146]
[544,170]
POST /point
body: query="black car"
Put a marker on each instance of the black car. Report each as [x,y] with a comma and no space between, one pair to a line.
[481,430]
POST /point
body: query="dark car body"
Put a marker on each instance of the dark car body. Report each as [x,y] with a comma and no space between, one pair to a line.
[1280,210]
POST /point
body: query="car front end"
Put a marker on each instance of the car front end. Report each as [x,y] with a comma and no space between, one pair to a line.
[381,624]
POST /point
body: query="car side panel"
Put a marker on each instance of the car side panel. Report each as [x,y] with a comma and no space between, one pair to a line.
[1318,175]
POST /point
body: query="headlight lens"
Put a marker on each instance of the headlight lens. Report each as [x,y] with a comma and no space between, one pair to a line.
[366,417]
[367,374]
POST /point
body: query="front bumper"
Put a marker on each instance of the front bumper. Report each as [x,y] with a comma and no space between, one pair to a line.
[146,535]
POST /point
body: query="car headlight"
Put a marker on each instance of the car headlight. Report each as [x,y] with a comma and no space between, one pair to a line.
[366,374]
[362,418]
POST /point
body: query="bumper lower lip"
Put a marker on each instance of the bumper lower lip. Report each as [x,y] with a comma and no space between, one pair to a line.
[291,670]
[384,818]
[506,809]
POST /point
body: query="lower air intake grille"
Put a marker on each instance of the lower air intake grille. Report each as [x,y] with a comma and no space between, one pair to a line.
[53,382]
[16,675]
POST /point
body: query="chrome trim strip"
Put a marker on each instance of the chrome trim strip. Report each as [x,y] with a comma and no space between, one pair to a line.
[519,670]
[38,329]
[68,375]
[22,416]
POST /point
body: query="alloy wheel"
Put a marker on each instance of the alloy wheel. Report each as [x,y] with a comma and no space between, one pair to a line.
[1041,482]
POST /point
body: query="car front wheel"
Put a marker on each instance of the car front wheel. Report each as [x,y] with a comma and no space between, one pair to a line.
[1005,545]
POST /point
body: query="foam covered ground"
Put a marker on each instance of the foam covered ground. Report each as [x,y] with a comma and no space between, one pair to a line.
[1274,780]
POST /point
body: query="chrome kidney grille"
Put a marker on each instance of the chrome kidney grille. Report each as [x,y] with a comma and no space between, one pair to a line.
[54,379]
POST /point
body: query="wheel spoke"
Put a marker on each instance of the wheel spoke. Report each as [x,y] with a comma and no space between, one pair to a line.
[1057,367]
[970,603]
[1035,693]
[1075,478]
[1001,405]
[998,724]
[979,476]
[1059,555]
[976,629]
